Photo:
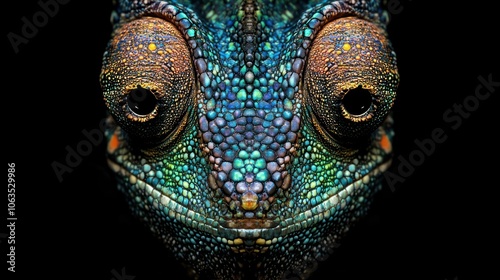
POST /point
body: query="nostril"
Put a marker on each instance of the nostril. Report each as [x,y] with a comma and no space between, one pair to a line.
[357,101]
[141,101]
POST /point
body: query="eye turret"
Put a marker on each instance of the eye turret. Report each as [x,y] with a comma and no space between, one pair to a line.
[350,79]
[148,79]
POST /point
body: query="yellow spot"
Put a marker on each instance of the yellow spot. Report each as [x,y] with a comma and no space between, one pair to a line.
[358,57]
[238,241]
[249,201]
[160,52]
[132,179]
[260,241]
[152,47]
[358,46]
[140,46]
[346,47]
[141,57]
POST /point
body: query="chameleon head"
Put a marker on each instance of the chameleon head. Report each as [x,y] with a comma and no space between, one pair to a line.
[246,147]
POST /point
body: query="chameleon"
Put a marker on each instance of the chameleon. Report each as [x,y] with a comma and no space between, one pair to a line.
[250,135]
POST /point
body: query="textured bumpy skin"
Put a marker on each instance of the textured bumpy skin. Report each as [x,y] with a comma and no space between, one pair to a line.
[249,135]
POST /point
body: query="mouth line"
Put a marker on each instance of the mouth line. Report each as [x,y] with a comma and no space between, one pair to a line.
[234,229]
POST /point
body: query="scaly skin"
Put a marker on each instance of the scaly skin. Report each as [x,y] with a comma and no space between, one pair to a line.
[249,135]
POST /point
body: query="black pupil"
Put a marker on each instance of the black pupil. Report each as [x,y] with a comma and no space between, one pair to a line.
[357,101]
[141,101]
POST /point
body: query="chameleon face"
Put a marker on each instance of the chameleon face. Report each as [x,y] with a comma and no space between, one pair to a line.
[249,135]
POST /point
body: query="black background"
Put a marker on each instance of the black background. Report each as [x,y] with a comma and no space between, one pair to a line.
[437,224]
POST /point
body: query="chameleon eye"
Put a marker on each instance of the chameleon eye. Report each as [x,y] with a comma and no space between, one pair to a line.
[148,79]
[141,101]
[357,101]
[350,79]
